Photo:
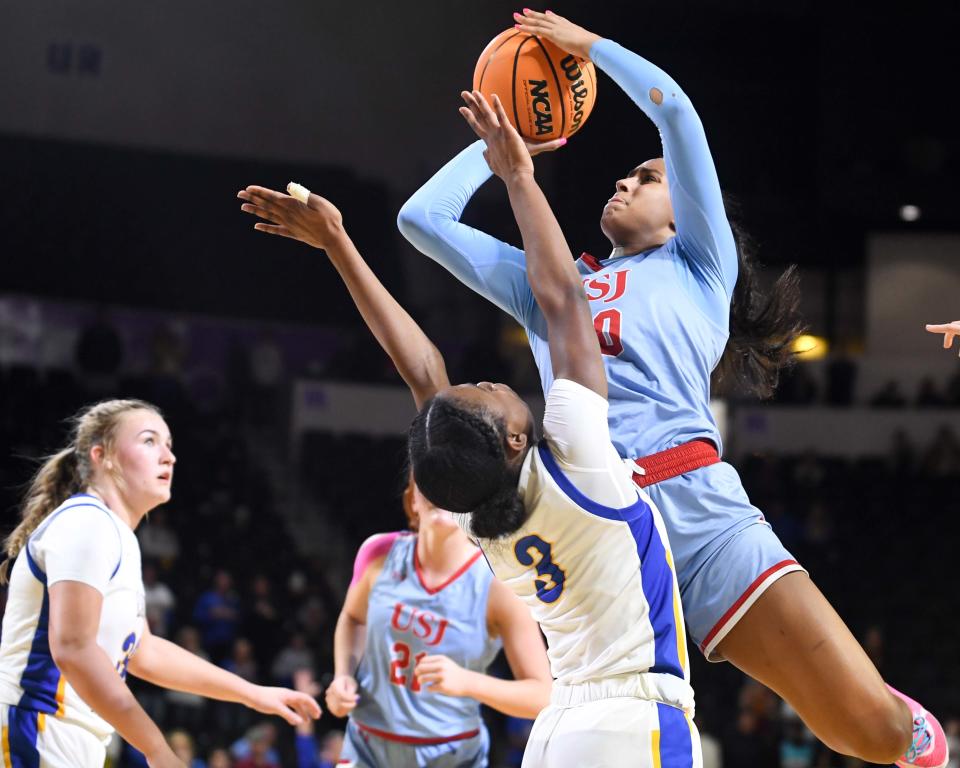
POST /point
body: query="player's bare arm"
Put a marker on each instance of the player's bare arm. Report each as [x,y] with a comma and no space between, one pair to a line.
[318,223]
[556,284]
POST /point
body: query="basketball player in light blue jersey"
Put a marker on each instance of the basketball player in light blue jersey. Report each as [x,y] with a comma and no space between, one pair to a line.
[674,301]
[422,621]
[559,520]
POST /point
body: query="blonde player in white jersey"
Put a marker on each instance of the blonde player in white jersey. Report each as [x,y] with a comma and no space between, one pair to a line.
[75,605]
[560,522]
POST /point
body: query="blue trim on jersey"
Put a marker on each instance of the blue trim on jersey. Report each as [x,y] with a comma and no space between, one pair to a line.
[656,577]
[41,676]
[657,580]
[676,741]
[22,733]
[35,569]
[638,509]
[38,571]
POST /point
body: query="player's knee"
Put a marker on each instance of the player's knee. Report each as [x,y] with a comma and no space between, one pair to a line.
[879,732]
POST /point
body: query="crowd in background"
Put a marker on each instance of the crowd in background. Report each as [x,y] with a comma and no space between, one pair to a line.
[225,580]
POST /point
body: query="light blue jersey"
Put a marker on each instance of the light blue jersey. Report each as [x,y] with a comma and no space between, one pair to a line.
[662,317]
[407,620]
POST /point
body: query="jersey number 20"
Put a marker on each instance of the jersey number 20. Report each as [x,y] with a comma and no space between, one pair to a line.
[532,550]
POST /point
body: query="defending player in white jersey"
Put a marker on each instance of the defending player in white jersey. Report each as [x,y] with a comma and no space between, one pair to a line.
[560,522]
[75,605]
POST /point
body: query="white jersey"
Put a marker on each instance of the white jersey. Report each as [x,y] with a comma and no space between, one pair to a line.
[592,561]
[82,540]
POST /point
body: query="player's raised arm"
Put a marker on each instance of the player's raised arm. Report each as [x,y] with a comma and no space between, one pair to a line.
[556,284]
[317,222]
[699,215]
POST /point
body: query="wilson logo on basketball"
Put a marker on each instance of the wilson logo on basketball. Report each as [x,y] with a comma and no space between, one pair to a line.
[578,89]
[540,103]
[546,92]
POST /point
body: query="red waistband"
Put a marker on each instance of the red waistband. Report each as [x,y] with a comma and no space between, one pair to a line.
[418,740]
[675,461]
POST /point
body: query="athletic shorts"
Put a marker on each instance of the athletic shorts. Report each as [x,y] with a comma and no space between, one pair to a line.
[362,749]
[33,739]
[726,554]
[594,725]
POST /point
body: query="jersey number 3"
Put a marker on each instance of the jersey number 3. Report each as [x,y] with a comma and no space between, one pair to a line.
[532,550]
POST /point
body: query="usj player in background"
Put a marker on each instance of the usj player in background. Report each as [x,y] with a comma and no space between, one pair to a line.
[74,623]
[676,299]
[560,521]
[422,621]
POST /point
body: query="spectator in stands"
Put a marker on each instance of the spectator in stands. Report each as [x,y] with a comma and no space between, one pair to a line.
[217,614]
[219,758]
[942,458]
[158,600]
[889,396]
[158,541]
[262,621]
[182,745]
[294,656]
[928,396]
[256,748]
[242,661]
[187,709]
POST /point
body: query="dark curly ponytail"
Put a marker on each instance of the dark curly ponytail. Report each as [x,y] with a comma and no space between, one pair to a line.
[763,327]
[459,461]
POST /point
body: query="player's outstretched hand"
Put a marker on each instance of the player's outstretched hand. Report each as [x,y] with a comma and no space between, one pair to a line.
[292,706]
[316,222]
[342,696]
[949,331]
[442,675]
[558,30]
[507,154]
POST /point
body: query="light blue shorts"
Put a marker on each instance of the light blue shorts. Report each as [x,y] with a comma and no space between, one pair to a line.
[362,749]
[725,553]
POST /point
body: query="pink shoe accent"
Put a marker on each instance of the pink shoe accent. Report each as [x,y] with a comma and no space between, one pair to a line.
[929,747]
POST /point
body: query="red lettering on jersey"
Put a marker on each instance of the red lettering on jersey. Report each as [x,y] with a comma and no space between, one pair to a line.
[397,612]
[607,325]
[621,284]
[607,287]
[422,624]
[440,630]
[399,664]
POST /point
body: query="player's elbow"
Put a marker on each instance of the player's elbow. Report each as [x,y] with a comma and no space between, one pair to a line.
[68,649]
[412,221]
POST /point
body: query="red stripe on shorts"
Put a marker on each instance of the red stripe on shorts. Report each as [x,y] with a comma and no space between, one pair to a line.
[419,740]
[743,598]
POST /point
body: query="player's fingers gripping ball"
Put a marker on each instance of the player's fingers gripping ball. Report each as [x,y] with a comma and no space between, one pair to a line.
[546,92]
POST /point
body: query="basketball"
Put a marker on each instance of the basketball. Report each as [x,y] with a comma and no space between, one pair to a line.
[546,92]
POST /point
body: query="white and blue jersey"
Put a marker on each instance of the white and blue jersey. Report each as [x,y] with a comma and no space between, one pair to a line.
[83,541]
[591,561]
[662,317]
[407,620]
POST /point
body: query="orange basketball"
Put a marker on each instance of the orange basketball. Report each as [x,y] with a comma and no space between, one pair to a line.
[546,92]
